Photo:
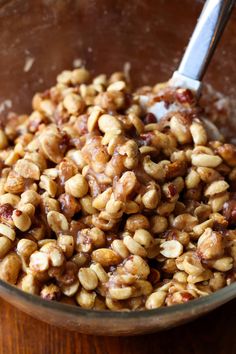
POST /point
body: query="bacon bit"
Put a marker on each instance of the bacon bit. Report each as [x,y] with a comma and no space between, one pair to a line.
[18,213]
[150,118]
[186,297]
[184,96]
[146,139]
[6,211]
[172,189]
[167,96]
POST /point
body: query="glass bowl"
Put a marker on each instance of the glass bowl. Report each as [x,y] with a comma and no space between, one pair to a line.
[40,38]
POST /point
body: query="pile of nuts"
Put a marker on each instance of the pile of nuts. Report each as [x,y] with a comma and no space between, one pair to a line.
[104,207]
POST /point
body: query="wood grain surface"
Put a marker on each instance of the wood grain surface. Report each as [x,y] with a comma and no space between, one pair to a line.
[212,334]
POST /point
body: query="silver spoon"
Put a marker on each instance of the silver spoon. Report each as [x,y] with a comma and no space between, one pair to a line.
[210,26]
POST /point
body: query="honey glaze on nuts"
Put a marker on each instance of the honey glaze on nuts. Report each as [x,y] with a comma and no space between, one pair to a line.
[104,207]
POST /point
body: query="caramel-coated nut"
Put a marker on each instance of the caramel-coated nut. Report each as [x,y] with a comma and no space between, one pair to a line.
[7,231]
[76,186]
[171,249]
[216,187]
[27,169]
[210,244]
[10,267]
[88,278]
[57,221]
[50,144]
[156,299]
[204,160]
[106,257]
[5,245]
[21,220]
[107,122]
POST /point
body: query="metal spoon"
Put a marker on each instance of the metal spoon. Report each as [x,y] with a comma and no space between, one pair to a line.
[210,26]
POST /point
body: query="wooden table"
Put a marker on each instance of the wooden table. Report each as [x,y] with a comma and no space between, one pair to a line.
[212,334]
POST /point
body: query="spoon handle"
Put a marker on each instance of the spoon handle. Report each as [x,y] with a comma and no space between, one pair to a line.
[203,42]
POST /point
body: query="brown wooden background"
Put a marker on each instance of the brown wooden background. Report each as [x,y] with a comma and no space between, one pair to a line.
[212,334]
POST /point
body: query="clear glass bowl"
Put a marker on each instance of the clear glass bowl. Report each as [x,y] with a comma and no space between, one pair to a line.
[40,38]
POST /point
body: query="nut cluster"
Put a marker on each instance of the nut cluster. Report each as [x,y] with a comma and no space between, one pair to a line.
[104,207]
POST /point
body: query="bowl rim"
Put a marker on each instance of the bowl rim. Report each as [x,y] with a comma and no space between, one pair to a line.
[219,297]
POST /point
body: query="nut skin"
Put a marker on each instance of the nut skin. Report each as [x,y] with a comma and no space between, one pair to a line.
[210,245]
[6,211]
